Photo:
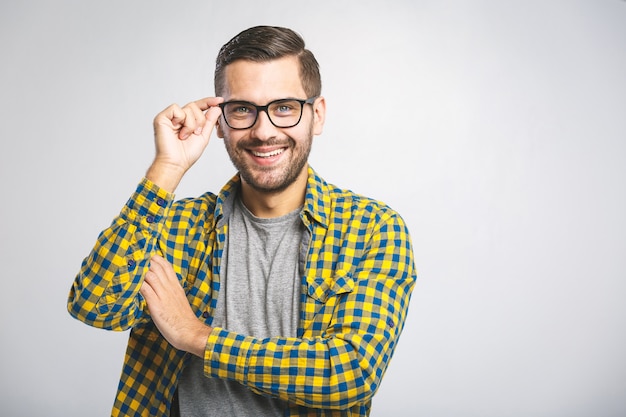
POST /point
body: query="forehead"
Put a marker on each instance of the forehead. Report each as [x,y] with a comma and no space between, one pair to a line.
[261,82]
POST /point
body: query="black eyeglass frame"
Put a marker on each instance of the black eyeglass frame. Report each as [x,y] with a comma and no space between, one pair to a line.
[265,108]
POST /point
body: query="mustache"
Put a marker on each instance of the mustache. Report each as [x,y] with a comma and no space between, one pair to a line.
[254,142]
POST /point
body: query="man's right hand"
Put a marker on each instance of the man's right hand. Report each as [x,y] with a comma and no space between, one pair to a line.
[181,135]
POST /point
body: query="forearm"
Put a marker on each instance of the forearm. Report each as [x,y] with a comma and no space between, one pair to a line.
[105,292]
[352,326]
[337,369]
[323,373]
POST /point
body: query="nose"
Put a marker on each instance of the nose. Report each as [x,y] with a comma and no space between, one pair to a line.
[263,129]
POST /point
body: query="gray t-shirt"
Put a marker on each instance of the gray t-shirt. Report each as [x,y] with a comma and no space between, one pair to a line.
[259,296]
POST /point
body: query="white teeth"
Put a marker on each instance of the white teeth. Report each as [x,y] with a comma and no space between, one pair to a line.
[268,154]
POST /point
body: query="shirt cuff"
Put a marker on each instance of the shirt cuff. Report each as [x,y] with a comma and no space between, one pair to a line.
[227,355]
[147,205]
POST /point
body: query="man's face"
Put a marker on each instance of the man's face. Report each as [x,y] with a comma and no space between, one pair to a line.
[269,158]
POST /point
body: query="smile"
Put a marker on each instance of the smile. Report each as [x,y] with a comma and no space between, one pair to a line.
[268,154]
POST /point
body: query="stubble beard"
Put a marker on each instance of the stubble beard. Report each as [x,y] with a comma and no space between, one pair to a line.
[271,179]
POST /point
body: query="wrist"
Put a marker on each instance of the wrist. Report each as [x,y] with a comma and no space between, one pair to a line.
[166,176]
[198,339]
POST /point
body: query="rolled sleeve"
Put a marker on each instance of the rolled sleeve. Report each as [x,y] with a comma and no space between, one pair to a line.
[105,292]
[227,355]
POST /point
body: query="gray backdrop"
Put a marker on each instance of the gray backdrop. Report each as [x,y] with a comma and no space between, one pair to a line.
[496,128]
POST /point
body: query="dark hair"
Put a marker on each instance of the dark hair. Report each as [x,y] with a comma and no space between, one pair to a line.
[266,43]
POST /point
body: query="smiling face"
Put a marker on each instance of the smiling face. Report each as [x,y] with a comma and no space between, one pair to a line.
[270,159]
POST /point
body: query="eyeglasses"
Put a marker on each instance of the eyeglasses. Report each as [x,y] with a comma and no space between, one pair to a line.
[282,113]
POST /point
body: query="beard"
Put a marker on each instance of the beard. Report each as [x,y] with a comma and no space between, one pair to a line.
[272,178]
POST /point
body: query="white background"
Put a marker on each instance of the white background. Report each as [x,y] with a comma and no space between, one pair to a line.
[496,128]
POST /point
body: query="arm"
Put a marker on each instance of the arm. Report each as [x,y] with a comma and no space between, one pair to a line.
[105,292]
[341,366]
[336,368]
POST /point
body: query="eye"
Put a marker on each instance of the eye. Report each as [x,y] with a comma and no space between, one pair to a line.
[239,110]
[285,108]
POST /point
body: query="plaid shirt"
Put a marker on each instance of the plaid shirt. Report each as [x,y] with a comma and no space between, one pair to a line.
[355,294]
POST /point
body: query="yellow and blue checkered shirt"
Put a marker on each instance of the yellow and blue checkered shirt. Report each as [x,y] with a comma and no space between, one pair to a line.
[355,294]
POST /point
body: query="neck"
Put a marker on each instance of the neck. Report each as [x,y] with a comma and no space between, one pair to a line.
[268,204]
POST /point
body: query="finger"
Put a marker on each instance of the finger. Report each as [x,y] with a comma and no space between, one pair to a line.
[152,279]
[199,118]
[211,117]
[160,262]
[156,269]
[197,109]
[161,267]
[147,292]
[157,259]
[177,116]
[172,117]
[208,102]
[191,123]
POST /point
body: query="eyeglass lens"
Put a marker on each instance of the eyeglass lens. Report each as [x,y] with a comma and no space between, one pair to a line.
[282,113]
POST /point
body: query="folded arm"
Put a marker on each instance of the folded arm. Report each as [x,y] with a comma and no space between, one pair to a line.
[343,353]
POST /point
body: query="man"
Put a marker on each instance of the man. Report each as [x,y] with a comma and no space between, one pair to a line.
[282,294]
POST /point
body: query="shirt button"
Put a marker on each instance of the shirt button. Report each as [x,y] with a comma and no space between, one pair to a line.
[160,202]
[150,219]
[131,264]
[205,314]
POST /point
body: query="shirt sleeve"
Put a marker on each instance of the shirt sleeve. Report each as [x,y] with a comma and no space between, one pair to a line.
[361,316]
[105,293]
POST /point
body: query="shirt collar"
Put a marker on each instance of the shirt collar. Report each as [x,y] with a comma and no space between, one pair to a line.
[317,202]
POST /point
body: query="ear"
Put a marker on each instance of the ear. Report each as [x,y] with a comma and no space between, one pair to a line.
[218,128]
[319,115]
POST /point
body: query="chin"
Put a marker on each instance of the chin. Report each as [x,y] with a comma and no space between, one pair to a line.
[271,182]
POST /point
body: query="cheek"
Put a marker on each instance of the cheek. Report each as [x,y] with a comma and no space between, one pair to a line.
[310,130]
[231,139]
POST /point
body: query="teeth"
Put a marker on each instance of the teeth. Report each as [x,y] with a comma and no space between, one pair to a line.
[267,154]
